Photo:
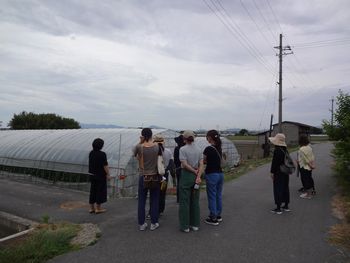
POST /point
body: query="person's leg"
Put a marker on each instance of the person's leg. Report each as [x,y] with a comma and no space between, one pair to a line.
[142,196]
[194,208]
[303,179]
[178,176]
[92,196]
[308,183]
[312,184]
[211,180]
[185,187]
[277,190]
[154,200]
[219,187]
[101,196]
[162,196]
[285,192]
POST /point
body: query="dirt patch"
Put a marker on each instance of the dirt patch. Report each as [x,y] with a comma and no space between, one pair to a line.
[71,205]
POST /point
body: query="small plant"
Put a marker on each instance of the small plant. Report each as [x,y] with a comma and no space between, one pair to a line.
[45,219]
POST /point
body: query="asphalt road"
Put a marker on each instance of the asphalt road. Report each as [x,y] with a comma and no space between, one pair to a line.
[249,231]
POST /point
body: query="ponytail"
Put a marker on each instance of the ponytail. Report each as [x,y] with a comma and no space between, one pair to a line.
[215,136]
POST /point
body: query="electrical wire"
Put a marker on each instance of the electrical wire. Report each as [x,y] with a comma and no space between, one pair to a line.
[241,33]
[233,33]
[264,19]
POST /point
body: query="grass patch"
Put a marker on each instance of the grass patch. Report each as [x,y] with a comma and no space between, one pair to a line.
[46,242]
[251,164]
[340,233]
[319,138]
[245,167]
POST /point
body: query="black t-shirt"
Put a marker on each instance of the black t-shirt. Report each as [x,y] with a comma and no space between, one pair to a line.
[213,160]
[176,157]
[97,161]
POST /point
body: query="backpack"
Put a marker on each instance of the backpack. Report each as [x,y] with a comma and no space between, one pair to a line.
[287,167]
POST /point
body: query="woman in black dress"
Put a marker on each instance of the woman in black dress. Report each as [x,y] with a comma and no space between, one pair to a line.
[280,179]
[99,174]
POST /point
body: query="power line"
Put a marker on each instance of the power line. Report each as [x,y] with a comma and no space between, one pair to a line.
[244,36]
[273,13]
[323,42]
[233,31]
[256,24]
[264,19]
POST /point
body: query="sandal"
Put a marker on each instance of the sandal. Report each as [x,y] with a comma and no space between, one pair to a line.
[99,211]
[92,211]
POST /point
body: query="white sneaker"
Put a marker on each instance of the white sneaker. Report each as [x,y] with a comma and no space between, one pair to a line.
[194,228]
[305,196]
[187,230]
[143,227]
[154,226]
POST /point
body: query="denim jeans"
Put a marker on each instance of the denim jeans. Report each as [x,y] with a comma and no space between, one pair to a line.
[154,203]
[215,182]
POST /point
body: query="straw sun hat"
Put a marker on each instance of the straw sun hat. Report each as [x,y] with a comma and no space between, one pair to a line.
[158,138]
[279,140]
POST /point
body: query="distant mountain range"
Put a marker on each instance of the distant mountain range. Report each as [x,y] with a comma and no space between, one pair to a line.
[106,126]
[98,126]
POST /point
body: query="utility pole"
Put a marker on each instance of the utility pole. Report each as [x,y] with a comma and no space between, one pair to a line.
[280,55]
[271,120]
[332,111]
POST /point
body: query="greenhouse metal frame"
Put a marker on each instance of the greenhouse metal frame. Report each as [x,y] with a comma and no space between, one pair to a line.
[60,157]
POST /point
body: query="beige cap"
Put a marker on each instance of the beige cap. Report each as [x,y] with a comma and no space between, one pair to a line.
[188,134]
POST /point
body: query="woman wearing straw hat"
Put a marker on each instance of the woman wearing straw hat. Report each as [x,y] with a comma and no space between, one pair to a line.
[280,179]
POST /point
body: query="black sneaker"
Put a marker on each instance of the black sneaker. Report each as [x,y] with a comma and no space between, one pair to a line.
[286,209]
[276,211]
[219,219]
[211,221]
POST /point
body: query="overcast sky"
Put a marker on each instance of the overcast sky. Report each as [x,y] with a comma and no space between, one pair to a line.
[179,64]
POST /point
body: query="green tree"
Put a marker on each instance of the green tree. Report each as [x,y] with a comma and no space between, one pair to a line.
[32,121]
[340,132]
[243,132]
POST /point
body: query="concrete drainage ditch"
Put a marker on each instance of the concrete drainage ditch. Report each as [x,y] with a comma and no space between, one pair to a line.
[13,227]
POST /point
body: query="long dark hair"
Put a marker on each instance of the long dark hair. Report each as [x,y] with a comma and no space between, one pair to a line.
[303,140]
[215,136]
[147,134]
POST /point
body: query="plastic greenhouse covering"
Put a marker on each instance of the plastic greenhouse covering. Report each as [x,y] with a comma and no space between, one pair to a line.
[64,154]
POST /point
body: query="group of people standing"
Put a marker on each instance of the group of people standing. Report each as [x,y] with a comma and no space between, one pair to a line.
[188,165]
[305,163]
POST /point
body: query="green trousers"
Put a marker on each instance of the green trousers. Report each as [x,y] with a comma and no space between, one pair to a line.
[189,201]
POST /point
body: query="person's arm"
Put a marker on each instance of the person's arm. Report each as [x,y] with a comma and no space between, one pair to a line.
[106,168]
[200,171]
[204,159]
[188,167]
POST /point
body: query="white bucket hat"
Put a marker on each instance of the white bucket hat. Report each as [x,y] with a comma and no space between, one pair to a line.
[279,140]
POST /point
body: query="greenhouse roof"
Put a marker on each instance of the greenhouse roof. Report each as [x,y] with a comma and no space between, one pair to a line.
[67,150]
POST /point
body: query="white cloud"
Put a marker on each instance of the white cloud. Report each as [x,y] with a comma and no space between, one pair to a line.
[170,64]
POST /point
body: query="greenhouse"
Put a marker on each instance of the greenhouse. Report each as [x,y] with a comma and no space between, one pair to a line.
[60,157]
